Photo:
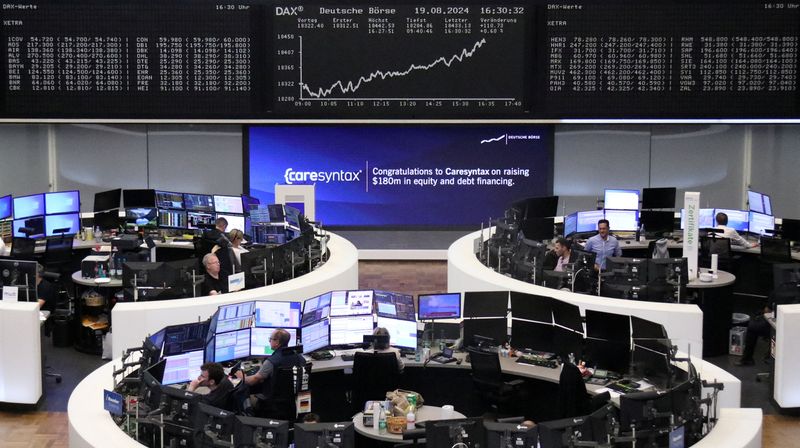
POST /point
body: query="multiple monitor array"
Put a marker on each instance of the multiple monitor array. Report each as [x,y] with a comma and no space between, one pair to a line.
[43,215]
[656,280]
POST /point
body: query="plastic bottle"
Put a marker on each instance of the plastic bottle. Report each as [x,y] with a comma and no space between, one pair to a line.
[98,236]
[382,421]
[410,419]
[640,235]
[375,416]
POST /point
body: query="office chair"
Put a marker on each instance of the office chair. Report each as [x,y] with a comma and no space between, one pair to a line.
[573,400]
[58,255]
[282,402]
[487,377]
[773,251]
[374,374]
[23,248]
[710,245]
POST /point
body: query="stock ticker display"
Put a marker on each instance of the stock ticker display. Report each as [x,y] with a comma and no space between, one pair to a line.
[320,59]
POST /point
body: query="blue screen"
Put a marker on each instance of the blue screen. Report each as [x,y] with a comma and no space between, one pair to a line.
[37,224]
[440,306]
[570,224]
[5,207]
[62,202]
[587,221]
[27,206]
[737,219]
[401,175]
[706,218]
[71,221]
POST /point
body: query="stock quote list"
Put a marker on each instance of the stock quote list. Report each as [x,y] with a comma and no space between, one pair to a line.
[263,59]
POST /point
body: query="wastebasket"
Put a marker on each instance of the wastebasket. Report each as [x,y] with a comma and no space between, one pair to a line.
[62,331]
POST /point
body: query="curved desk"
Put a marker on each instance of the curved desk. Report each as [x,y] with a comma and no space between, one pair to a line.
[135,320]
[78,279]
[424,414]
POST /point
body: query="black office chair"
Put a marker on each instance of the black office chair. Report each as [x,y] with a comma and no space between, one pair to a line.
[374,374]
[773,251]
[23,248]
[58,255]
[487,377]
[282,402]
[573,400]
[710,245]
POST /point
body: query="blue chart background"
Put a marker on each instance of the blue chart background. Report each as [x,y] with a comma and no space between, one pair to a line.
[274,149]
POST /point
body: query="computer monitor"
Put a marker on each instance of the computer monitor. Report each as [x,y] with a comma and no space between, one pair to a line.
[343,303]
[439,306]
[259,340]
[504,435]
[767,205]
[636,410]
[608,326]
[657,223]
[62,202]
[486,304]
[185,338]
[155,342]
[402,333]
[645,329]
[228,204]
[231,345]
[198,202]
[493,328]
[348,330]
[673,271]
[18,273]
[658,198]
[5,207]
[182,367]
[395,305]
[107,200]
[567,315]
[139,198]
[587,221]
[28,206]
[454,433]
[234,317]
[761,224]
[35,224]
[650,360]
[570,224]
[527,261]
[607,355]
[292,216]
[328,435]
[276,214]
[141,217]
[706,218]
[790,229]
[172,219]
[626,270]
[564,432]
[234,221]
[169,200]
[278,314]
[538,229]
[622,220]
[195,219]
[69,221]
[142,273]
[316,308]
[532,335]
[249,202]
[107,220]
[532,307]
[621,199]
[251,432]
[755,202]
[316,336]
[737,219]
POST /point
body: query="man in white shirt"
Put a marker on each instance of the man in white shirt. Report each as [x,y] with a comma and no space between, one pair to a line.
[731,233]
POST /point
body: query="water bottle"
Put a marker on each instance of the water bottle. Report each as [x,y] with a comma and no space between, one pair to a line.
[375,416]
[382,422]
[410,419]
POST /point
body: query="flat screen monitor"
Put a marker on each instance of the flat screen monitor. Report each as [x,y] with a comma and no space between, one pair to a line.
[759,223]
[259,340]
[402,333]
[36,224]
[249,202]
[439,306]
[69,221]
[172,219]
[107,220]
[292,216]
[755,201]
[486,304]
[5,207]
[28,206]
[107,200]
[627,270]
[234,221]
[142,274]
[142,217]
[473,331]
[636,409]
[228,204]
[532,307]
[253,431]
[169,199]
[532,335]
[650,360]
[587,221]
[567,315]
[737,219]
[395,305]
[17,273]
[558,433]
[570,224]
[185,338]
[645,329]
[347,330]
[316,308]
[234,317]
[314,435]
[790,229]
[276,213]
[62,202]
[657,222]
[622,220]
[156,341]
[767,205]
[198,202]
[608,326]
[345,304]
[316,336]
[138,198]
[672,271]
[278,314]
[231,345]
[182,368]
[621,199]
[194,219]
[705,218]
[454,433]
[504,435]
[658,198]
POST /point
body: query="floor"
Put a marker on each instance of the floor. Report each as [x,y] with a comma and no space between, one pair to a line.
[48,427]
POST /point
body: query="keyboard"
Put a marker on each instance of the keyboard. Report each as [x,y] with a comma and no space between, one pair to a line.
[346,357]
[624,386]
[535,361]
[441,359]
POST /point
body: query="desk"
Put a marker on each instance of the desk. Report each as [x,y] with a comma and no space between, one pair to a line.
[425,413]
[715,298]
[78,279]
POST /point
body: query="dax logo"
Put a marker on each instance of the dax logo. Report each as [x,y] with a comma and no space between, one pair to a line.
[288,10]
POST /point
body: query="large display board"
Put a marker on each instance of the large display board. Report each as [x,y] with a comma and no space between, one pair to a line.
[263,59]
[404,175]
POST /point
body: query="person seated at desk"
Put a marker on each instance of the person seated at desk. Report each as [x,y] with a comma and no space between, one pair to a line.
[385,347]
[236,238]
[603,244]
[757,327]
[563,248]
[46,293]
[214,283]
[220,387]
[213,235]
[278,341]
[730,232]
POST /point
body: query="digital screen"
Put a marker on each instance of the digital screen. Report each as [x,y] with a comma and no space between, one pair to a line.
[172,219]
[316,309]
[228,204]
[316,336]
[249,203]
[193,219]
[622,220]
[169,199]
[402,333]
[235,317]
[5,206]
[759,223]
[234,222]
[440,306]
[706,218]
[198,202]
[278,314]
[185,338]
[587,221]
[755,201]
[232,345]
[767,205]
[182,368]
[395,305]
[259,340]
[27,206]
[142,217]
[107,200]
[351,303]
[404,175]
[62,202]
[350,329]
[737,219]
[570,224]
[621,199]
[138,198]
[37,224]
[70,221]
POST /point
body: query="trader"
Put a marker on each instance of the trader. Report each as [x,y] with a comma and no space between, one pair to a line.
[384,346]
[603,244]
[220,387]
[730,232]
[563,248]
[213,283]
[278,341]
[46,293]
